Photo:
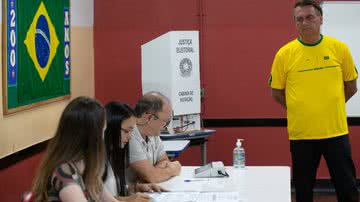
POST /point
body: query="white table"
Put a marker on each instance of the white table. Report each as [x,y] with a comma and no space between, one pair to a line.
[174,147]
[254,183]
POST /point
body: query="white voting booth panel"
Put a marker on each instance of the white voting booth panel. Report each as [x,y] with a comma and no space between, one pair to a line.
[170,65]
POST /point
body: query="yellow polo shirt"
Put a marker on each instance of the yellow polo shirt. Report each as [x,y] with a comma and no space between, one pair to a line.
[313,78]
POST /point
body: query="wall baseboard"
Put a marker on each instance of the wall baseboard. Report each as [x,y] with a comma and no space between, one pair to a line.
[259,122]
[16,157]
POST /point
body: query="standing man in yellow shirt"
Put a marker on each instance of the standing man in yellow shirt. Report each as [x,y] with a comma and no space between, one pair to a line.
[312,77]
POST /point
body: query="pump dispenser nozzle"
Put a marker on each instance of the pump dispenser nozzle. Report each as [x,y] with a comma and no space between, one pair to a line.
[238,142]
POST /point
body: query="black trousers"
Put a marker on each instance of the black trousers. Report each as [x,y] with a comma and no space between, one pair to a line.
[306,155]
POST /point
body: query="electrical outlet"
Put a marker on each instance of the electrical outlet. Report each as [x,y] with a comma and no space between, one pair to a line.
[202,92]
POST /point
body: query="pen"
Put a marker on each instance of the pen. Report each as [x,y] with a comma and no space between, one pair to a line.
[194,180]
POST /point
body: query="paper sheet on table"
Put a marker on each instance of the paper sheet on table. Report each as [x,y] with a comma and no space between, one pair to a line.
[197,197]
[179,185]
[202,185]
[175,197]
[220,197]
[218,185]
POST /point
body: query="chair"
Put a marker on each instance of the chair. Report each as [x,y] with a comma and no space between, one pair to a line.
[27,197]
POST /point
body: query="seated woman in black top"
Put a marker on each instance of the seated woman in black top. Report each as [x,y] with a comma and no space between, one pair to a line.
[120,123]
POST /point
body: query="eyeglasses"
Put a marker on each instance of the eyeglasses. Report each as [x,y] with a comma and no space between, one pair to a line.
[126,130]
[167,122]
[309,18]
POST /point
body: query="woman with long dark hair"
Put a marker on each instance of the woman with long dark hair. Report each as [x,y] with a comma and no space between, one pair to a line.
[73,164]
[120,123]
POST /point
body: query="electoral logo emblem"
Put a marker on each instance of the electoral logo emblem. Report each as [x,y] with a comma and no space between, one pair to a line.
[185,67]
[41,41]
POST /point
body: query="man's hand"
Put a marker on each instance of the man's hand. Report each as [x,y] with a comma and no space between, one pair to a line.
[350,89]
[150,188]
[162,164]
[279,96]
[175,167]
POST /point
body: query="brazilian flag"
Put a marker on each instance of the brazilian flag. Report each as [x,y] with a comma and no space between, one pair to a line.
[42,52]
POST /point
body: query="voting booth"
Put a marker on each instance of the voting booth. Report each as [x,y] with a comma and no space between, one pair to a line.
[170,65]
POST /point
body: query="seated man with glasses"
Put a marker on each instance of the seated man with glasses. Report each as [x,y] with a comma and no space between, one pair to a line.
[148,159]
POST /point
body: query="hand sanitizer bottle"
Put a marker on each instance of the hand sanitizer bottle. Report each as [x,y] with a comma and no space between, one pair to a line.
[239,155]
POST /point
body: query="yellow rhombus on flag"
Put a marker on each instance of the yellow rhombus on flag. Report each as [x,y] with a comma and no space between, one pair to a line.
[51,41]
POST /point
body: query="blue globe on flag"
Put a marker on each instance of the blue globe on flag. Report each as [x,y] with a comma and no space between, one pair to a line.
[42,41]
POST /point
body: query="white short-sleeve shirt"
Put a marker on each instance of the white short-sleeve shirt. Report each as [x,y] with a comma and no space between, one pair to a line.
[140,149]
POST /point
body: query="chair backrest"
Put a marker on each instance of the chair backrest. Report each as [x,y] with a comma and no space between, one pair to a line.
[27,197]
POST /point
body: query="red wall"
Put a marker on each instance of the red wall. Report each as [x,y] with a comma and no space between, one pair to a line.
[238,41]
[121,27]
[17,178]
